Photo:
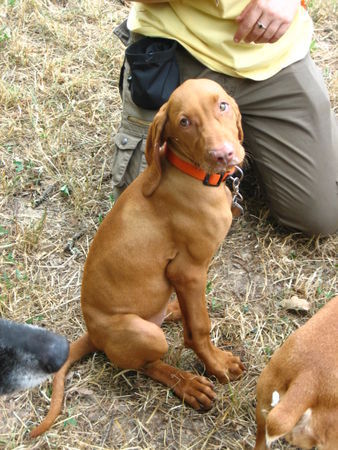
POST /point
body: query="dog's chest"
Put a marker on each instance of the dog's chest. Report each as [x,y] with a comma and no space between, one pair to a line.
[215,218]
[203,229]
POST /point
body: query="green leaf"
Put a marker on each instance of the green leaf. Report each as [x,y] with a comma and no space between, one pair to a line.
[313,45]
[213,304]
[293,254]
[4,34]
[268,351]
[10,257]
[6,279]
[65,190]
[3,231]
[18,274]
[18,166]
[70,421]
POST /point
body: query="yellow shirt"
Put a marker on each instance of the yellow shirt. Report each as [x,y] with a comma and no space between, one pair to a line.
[206,30]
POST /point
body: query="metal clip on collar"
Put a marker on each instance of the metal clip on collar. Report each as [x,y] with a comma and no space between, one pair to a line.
[236,195]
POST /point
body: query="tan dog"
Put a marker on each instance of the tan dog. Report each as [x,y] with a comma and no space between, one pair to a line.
[158,238]
[301,382]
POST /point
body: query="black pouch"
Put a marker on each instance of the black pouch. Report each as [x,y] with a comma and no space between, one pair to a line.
[154,71]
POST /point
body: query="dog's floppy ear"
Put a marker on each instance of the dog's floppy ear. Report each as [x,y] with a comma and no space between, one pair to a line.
[153,152]
[238,120]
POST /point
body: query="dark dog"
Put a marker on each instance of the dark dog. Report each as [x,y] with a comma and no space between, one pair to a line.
[28,354]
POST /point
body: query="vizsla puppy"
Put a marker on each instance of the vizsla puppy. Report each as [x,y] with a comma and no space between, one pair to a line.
[158,238]
[297,393]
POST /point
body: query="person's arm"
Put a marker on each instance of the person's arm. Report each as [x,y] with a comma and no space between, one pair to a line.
[263,21]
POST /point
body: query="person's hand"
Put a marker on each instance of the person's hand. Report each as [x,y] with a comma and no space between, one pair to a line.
[264,21]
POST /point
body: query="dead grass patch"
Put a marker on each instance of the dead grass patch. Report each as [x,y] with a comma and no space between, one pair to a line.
[59,111]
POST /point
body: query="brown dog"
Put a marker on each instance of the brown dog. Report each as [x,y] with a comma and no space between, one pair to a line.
[158,238]
[301,383]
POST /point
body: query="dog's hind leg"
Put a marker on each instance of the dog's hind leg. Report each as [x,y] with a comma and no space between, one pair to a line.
[174,312]
[131,342]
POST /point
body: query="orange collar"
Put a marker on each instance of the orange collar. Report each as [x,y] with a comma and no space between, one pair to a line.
[213,179]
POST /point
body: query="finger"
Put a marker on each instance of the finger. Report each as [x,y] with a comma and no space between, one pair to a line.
[244,12]
[268,33]
[258,30]
[247,23]
[279,33]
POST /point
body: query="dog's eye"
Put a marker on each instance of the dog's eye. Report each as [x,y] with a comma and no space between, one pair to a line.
[184,122]
[224,106]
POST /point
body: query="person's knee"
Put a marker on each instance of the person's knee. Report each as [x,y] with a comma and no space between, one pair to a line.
[317,219]
[314,226]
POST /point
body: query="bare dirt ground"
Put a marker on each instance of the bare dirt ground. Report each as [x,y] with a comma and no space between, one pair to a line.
[59,111]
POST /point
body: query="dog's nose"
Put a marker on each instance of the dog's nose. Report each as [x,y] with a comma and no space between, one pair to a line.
[223,154]
[54,352]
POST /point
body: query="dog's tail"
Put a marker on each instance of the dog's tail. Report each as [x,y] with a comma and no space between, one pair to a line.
[78,349]
[290,409]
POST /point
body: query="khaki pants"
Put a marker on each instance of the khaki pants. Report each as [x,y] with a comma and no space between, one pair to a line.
[289,131]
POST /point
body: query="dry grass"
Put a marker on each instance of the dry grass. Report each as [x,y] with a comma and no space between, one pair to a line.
[59,110]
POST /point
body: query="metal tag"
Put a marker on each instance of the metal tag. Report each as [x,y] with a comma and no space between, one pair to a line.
[237,198]
[236,209]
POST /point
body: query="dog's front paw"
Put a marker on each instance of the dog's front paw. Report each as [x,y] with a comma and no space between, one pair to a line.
[225,366]
[195,390]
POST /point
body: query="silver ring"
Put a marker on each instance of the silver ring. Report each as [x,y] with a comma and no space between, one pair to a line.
[261,26]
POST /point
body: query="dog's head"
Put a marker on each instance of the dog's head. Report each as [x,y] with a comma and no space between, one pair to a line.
[28,354]
[202,124]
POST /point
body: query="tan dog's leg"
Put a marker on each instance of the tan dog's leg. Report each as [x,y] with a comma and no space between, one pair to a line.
[195,390]
[264,399]
[189,282]
[260,433]
[174,312]
[131,342]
